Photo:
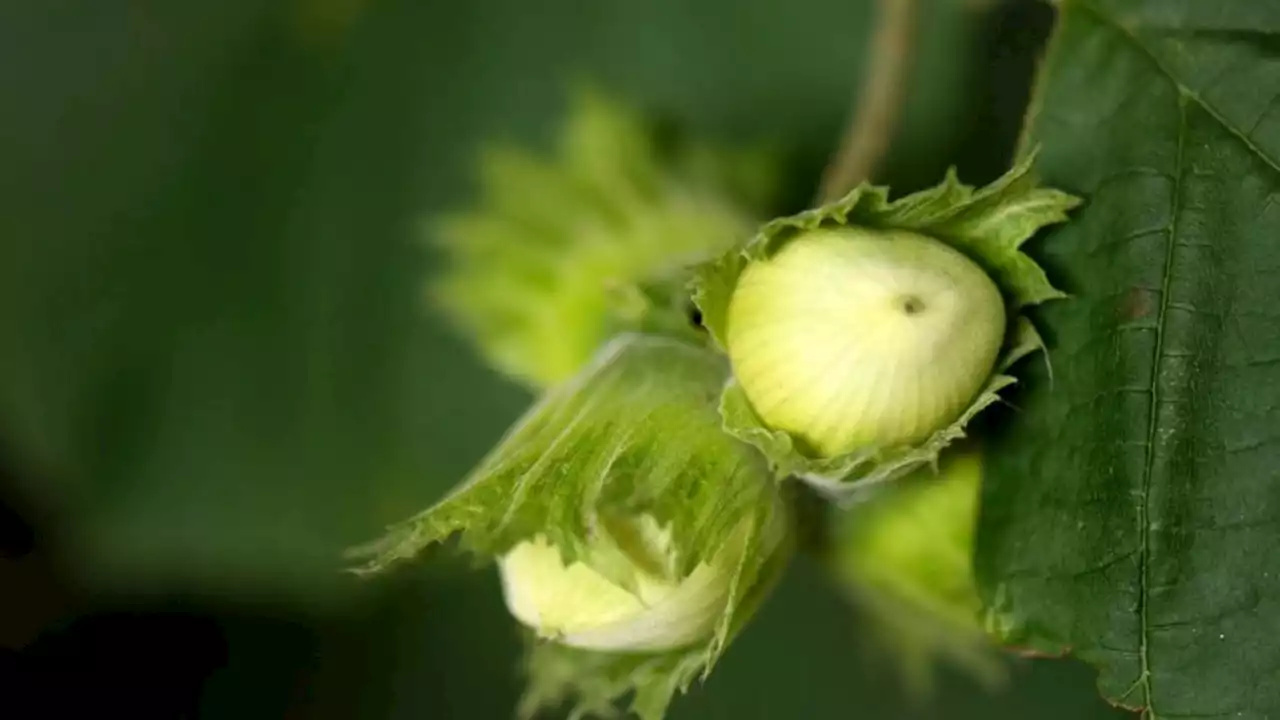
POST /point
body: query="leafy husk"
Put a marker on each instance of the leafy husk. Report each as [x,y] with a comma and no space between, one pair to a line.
[989,225]
[592,684]
[636,432]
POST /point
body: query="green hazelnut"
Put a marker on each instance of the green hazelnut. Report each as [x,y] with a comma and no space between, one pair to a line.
[854,338]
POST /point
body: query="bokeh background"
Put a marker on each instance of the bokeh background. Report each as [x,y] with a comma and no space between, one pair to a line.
[217,368]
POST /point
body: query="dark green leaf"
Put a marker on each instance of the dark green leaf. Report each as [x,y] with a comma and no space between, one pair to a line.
[1132,511]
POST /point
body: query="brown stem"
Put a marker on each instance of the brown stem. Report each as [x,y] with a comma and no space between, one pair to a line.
[867,136]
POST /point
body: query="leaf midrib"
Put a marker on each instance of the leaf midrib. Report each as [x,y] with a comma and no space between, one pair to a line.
[1127,32]
[1148,466]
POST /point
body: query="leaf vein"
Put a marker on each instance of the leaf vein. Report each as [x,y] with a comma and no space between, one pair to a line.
[1128,34]
[1144,506]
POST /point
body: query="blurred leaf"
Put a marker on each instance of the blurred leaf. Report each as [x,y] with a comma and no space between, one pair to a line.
[211,345]
[905,556]
[532,268]
[1131,512]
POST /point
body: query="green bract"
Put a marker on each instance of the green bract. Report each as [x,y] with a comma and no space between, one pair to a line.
[906,557]
[866,334]
[545,268]
[630,530]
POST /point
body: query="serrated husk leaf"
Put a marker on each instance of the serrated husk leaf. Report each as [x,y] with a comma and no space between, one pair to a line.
[989,225]
[534,270]
[635,433]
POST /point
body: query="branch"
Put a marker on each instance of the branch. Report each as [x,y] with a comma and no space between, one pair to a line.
[867,136]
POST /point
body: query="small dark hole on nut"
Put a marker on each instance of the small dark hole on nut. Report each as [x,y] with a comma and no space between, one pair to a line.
[912,305]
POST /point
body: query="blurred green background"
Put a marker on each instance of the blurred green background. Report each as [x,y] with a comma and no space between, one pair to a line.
[217,369]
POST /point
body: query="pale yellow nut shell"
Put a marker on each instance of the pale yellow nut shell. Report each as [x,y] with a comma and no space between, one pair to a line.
[856,338]
[577,606]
